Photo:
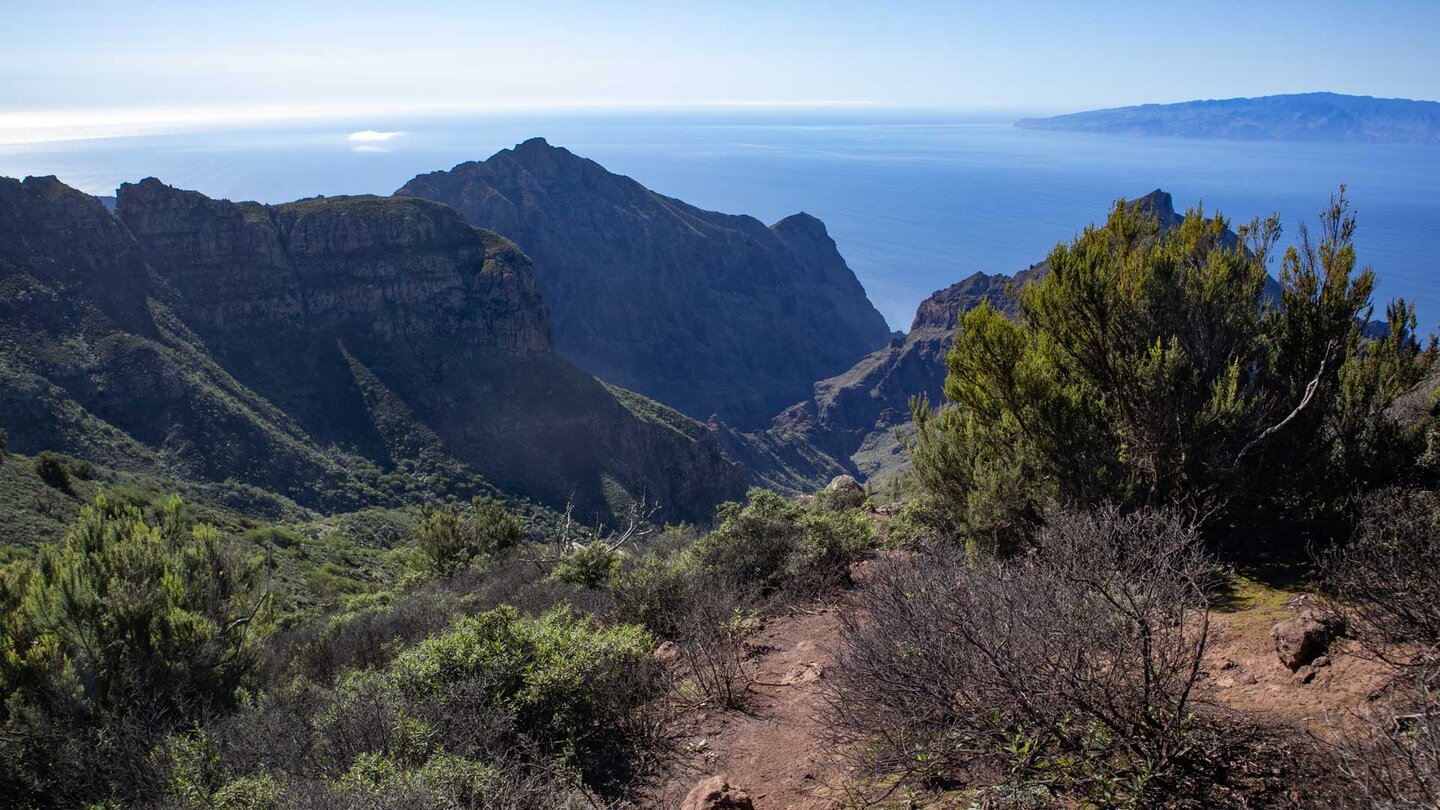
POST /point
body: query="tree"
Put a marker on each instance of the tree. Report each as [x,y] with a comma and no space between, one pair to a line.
[1147,368]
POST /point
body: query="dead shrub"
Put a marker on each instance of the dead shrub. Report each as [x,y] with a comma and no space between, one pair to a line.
[1070,669]
[1386,583]
[712,643]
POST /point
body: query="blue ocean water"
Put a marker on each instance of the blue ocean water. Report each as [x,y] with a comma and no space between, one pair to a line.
[915,201]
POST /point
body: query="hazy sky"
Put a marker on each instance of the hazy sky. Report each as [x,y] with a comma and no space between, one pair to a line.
[282,59]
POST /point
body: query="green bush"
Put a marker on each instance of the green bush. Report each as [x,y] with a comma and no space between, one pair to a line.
[655,589]
[1147,368]
[451,540]
[570,684]
[751,542]
[276,536]
[53,470]
[828,542]
[590,565]
[125,631]
[771,541]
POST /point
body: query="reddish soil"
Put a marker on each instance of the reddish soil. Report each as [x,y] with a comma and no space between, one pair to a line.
[1244,673]
[774,749]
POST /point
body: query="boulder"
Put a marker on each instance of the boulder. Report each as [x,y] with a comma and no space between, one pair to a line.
[1303,639]
[846,484]
[668,653]
[716,793]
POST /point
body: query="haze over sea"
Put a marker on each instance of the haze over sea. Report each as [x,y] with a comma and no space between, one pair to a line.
[916,201]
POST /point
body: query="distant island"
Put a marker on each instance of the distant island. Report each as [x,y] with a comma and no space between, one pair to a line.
[1295,117]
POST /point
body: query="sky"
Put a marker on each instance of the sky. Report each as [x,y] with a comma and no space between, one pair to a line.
[72,68]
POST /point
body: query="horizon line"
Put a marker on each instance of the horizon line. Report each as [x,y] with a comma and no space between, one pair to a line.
[39,126]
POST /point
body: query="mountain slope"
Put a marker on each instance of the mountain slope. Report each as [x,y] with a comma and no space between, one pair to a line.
[341,352]
[709,313]
[1300,117]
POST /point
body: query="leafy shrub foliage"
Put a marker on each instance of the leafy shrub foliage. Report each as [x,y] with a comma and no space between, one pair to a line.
[590,565]
[451,540]
[1148,368]
[458,719]
[771,541]
[53,470]
[133,626]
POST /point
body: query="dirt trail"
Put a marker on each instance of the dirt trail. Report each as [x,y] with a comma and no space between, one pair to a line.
[1244,673]
[772,750]
[775,751]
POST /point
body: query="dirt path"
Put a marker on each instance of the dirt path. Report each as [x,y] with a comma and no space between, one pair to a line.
[773,749]
[1243,672]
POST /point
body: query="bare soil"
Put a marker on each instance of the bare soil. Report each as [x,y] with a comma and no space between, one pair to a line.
[775,749]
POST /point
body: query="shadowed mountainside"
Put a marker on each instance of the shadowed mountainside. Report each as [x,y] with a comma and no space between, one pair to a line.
[342,352]
[709,313]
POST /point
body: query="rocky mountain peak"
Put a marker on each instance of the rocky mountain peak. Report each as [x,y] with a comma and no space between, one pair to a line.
[706,312]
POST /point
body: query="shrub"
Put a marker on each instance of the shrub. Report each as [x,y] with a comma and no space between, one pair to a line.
[1387,585]
[828,541]
[451,540]
[572,686]
[53,470]
[590,565]
[771,541]
[276,536]
[126,630]
[655,590]
[1071,667]
[712,635]
[1147,368]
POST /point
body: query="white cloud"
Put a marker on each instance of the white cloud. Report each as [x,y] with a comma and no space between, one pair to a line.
[371,136]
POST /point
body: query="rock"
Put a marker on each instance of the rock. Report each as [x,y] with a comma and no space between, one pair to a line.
[1301,640]
[1303,676]
[668,653]
[889,509]
[847,485]
[804,500]
[1322,661]
[716,793]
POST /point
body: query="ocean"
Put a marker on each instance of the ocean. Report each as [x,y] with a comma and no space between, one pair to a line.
[915,201]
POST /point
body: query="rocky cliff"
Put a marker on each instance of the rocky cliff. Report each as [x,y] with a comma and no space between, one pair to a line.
[709,313]
[341,351]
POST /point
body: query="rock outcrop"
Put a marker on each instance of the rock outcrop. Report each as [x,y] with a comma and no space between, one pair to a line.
[342,352]
[706,312]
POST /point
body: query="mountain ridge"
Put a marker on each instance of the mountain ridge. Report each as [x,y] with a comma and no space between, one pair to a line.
[1321,116]
[707,312]
[342,352]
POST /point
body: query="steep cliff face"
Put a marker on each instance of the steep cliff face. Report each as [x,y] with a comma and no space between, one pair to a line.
[340,351]
[707,312]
